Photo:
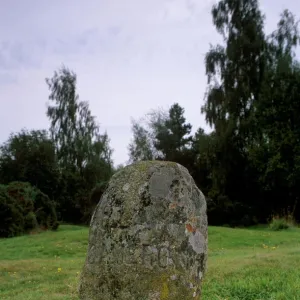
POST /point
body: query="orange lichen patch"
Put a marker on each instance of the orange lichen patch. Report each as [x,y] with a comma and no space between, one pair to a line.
[172,205]
[193,219]
[190,228]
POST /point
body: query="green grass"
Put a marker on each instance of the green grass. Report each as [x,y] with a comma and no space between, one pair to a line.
[243,264]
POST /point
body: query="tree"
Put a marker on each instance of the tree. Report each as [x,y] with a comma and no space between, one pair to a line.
[24,208]
[172,136]
[84,155]
[235,72]
[160,135]
[276,153]
[203,156]
[29,156]
[252,105]
[141,146]
[73,128]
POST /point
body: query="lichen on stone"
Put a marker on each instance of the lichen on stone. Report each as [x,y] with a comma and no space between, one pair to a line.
[148,236]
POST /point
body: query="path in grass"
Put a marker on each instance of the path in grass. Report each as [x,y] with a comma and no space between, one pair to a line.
[244,264]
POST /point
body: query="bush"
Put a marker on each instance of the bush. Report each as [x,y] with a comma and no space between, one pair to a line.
[11,215]
[45,211]
[282,222]
[89,201]
[30,221]
[24,208]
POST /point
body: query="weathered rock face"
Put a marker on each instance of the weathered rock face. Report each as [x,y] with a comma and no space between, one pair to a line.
[148,236]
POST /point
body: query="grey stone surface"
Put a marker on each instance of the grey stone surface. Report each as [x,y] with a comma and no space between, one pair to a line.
[148,236]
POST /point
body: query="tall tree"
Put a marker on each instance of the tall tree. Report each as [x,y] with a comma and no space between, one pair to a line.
[141,146]
[234,73]
[73,128]
[29,156]
[160,135]
[173,136]
[276,152]
[83,153]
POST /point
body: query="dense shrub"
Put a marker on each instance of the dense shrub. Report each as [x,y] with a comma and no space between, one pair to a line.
[45,211]
[231,214]
[11,215]
[282,222]
[30,221]
[93,200]
[24,208]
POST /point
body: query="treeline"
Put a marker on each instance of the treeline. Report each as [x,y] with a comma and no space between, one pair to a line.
[70,163]
[248,166]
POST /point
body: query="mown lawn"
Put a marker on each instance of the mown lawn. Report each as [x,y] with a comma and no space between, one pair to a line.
[243,264]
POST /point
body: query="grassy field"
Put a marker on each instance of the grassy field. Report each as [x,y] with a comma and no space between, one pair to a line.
[243,264]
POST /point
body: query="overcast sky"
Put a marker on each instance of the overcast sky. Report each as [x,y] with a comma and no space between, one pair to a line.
[130,56]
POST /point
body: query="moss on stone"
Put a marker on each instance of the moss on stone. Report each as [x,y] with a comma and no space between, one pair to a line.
[138,239]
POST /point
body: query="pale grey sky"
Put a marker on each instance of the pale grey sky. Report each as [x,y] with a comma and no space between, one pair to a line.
[130,56]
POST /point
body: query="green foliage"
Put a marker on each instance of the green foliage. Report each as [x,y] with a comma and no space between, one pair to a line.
[94,198]
[45,211]
[252,104]
[279,224]
[30,221]
[24,208]
[73,127]
[282,222]
[164,136]
[276,153]
[234,71]
[29,156]
[248,166]
[11,215]
[172,136]
[84,155]
[141,147]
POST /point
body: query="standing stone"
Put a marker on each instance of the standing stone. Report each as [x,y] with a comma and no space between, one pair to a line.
[148,236]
